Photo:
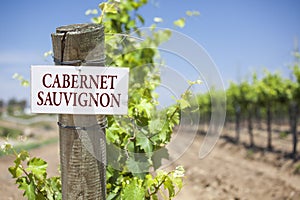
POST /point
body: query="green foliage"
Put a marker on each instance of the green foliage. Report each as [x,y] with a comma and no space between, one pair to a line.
[15,107]
[91,12]
[295,91]
[143,134]
[31,176]
[191,13]
[48,53]
[271,96]
[180,22]
[165,184]
[242,96]
[270,88]
[153,136]
[23,81]
[133,190]
[270,91]
[204,102]
[233,94]
[170,182]
[9,132]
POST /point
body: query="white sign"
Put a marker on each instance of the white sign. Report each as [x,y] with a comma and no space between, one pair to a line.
[79,90]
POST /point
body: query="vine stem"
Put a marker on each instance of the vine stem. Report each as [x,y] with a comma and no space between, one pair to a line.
[176,110]
[129,140]
[182,96]
[21,166]
[159,185]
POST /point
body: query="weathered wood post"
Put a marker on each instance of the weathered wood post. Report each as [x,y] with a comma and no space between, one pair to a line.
[82,137]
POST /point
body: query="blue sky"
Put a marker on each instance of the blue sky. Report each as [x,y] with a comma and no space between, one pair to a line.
[241,36]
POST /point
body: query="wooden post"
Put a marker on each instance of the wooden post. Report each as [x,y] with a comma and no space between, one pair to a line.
[81,137]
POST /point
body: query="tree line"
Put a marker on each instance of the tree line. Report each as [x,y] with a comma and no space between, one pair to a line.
[12,105]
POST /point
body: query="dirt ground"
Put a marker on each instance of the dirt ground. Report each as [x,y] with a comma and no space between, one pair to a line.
[230,171]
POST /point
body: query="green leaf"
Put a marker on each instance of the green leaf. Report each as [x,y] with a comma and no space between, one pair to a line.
[192,13]
[15,171]
[195,82]
[168,184]
[141,19]
[19,77]
[112,133]
[29,189]
[55,184]
[174,118]
[179,172]
[145,108]
[155,125]
[158,156]
[144,142]
[48,53]
[162,36]
[111,196]
[6,147]
[108,7]
[40,196]
[134,191]
[164,133]
[130,24]
[180,22]
[38,167]
[91,12]
[183,103]
[23,155]
[154,197]
[124,19]
[137,167]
